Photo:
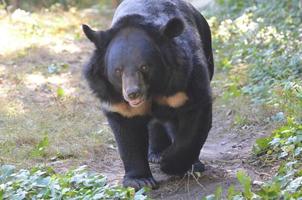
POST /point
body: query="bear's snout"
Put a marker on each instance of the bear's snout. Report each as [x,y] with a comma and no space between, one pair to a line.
[133,93]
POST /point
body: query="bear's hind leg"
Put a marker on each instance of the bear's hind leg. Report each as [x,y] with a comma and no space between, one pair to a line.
[159,140]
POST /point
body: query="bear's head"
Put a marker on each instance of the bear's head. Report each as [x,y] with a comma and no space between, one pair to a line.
[133,59]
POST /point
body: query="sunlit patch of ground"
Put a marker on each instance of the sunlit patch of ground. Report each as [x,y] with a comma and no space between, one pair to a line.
[56,29]
[47,113]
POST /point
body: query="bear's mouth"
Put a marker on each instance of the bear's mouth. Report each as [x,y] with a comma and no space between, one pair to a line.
[136,102]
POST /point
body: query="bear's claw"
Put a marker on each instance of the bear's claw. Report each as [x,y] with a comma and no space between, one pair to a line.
[138,183]
[154,158]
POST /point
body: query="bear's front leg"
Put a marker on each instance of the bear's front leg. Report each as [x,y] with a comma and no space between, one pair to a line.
[192,127]
[159,140]
[131,135]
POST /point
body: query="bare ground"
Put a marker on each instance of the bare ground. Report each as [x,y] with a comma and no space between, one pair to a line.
[227,151]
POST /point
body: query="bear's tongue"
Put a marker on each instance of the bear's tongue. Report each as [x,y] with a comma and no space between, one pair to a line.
[136,102]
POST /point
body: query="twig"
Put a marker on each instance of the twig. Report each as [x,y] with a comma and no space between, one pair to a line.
[196,179]
[262,173]
[179,183]
[188,183]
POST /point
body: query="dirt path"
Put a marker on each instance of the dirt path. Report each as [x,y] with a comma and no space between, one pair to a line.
[224,154]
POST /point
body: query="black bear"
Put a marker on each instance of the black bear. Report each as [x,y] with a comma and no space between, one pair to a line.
[151,71]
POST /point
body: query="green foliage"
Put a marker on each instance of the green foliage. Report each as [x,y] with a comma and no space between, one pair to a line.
[264,38]
[232,193]
[245,181]
[40,148]
[60,92]
[258,43]
[233,6]
[216,196]
[57,68]
[287,184]
[261,146]
[34,4]
[218,193]
[285,142]
[43,183]
[244,193]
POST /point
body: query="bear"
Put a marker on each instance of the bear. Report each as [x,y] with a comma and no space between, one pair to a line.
[151,71]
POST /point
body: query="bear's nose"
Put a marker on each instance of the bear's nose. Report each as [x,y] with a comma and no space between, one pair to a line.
[134,94]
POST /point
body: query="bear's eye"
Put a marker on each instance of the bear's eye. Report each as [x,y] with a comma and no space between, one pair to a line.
[118,72]
[144,68]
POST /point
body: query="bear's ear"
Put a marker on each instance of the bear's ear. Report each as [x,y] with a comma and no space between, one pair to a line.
[173,28]
[97,37]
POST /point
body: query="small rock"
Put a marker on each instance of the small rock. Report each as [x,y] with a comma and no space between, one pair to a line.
[230,112]
[55,158]
[258,183]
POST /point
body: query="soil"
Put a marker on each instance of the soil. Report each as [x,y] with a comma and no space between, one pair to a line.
[227,151]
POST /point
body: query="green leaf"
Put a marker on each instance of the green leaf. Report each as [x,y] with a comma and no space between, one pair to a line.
[294,185]
[209,197]
[1,194]
[60,92]
[231,192]
[5,172]
[218,193]
[298,151]
[270,190]
[139,195]
[40,148]
[57,68]
[261,146]
[245,181]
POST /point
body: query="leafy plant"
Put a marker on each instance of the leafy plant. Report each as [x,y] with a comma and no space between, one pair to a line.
[233,194]
[255,36]
[60,92]
[44,183]
[57,68]
[40,148]
[258,45]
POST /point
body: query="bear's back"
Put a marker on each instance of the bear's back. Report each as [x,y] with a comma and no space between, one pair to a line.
[158,12]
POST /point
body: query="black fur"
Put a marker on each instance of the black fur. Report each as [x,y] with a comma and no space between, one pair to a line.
[181,61]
